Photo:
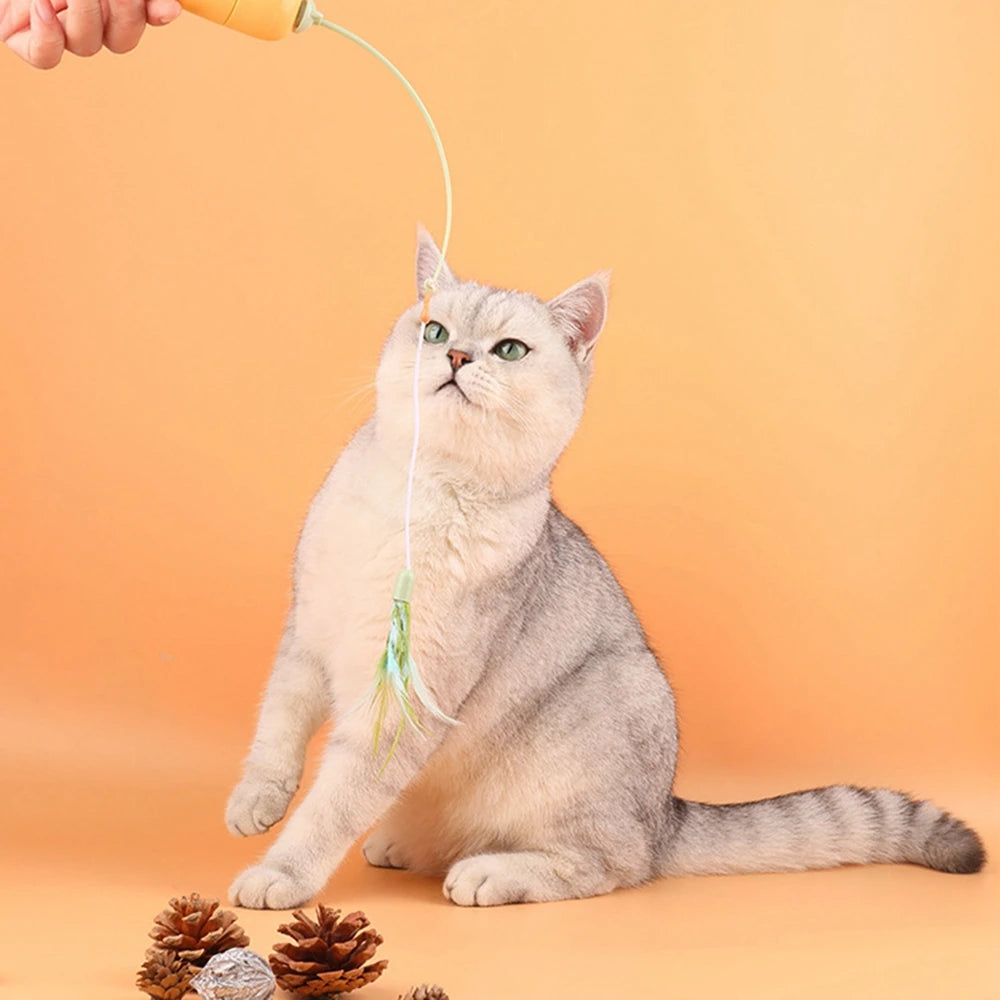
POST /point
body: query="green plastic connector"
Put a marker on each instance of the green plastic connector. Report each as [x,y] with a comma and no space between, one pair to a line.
[403,590]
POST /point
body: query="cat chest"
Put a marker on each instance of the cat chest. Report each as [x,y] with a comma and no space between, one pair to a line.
[348,562]
[353,549]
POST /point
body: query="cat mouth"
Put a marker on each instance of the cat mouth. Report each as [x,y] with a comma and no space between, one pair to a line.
[454,384]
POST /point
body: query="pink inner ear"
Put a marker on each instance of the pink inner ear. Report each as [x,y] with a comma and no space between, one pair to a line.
[581,311]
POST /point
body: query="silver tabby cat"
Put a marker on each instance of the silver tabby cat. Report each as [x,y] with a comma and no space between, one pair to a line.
[556,783]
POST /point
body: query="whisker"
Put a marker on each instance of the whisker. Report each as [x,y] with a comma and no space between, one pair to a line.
[510,407]
[352,400]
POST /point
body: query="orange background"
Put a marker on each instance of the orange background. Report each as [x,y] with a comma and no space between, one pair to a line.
[789,455]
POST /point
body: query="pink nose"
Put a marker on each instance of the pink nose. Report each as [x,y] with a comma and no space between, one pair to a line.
[458,358]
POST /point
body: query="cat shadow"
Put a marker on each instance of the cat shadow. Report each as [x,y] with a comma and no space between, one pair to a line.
[359,880]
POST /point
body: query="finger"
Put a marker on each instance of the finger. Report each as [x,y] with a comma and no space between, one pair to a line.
[19,43]
[160,12]
[46,40]
[8,21]
[84,27]
[126,23]
[17,17]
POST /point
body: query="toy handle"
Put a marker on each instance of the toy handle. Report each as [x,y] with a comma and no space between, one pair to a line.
[267,19]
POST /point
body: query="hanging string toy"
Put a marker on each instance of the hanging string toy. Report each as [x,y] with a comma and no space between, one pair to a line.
[397,680]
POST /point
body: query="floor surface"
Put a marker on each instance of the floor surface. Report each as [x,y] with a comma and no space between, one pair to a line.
[91,860]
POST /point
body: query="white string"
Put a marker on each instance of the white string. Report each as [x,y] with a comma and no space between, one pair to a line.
[416,443]
[430,285]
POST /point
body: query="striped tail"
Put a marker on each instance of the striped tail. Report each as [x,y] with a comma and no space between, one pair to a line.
[821,828]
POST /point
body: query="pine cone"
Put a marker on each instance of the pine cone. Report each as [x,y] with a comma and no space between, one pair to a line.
[164,976]
[196,929]
[326,955]
[425,992]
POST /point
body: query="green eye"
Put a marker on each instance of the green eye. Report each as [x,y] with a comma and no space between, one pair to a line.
[435,333]
[511,350]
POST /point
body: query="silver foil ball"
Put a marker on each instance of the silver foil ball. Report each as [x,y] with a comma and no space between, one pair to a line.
[237,974]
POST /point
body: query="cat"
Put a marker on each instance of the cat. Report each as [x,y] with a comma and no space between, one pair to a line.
[556,781]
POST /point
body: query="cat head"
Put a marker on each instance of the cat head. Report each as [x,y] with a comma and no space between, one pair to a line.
[503,375]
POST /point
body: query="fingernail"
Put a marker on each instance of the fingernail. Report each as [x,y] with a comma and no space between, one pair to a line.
[170,12]
[44,9]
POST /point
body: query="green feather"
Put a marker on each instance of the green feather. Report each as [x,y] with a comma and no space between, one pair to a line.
[397,679]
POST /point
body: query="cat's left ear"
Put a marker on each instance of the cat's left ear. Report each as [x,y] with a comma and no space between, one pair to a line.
[580,313]
[428,258]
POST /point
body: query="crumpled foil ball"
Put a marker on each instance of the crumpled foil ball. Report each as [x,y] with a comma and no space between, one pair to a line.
[237,974]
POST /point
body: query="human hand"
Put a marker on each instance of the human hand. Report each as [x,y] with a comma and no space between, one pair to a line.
[39,31]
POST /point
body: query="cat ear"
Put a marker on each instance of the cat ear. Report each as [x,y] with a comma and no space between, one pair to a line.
[580,313]
[428,257]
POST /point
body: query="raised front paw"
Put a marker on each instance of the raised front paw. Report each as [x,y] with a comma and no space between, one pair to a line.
[257,803]
[268,887]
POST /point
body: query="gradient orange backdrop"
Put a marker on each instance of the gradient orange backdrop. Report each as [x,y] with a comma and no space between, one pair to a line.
[789,455]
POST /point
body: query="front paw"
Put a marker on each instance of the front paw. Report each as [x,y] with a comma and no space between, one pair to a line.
[269,887]
[257,803]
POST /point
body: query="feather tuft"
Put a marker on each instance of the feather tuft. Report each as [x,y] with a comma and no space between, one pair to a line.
[397,679]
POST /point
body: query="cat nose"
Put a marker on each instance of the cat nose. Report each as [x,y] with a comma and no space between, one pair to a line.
[458,358]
